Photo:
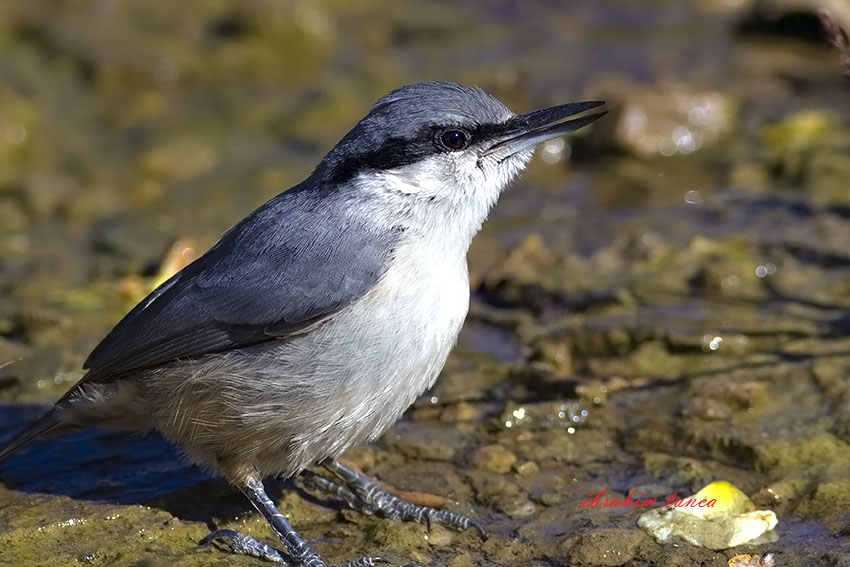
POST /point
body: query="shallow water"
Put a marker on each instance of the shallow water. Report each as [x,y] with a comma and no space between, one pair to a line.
[640,321]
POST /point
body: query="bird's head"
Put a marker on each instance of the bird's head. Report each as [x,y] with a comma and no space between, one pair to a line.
[443,144]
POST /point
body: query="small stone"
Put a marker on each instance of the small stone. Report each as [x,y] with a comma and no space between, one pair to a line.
[747,560]
[778,494]
[673,118]
[462,411]
[462,560]
[524,263]
[425,414]
[603,548]
[829,499]
[440,536]
[436,443]
[507,551]
[361,458]
[494,458]
[527,468]
[555,355]
[522,509]
[551,498]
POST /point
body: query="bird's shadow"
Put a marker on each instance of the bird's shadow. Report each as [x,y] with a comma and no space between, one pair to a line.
[118,468]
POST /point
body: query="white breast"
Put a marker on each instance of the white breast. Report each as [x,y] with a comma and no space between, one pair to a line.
[417,310]
[371,361]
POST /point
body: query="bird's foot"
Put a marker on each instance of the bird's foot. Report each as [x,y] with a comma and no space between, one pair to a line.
[365,496]
[242,544]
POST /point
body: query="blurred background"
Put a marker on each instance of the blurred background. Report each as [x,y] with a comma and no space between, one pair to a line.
[659,302]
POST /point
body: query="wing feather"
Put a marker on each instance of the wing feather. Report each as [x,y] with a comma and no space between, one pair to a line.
[294,262]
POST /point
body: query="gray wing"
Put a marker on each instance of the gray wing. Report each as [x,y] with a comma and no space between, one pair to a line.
[295,261]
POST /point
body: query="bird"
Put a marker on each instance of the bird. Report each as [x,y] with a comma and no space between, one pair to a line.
[314,322]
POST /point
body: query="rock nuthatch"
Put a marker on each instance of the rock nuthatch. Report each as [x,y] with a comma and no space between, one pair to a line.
[313,323]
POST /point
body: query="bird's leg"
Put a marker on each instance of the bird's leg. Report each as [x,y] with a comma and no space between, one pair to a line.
[365,496]
[299,552]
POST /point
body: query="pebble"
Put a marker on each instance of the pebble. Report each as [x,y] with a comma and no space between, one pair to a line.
[494,458]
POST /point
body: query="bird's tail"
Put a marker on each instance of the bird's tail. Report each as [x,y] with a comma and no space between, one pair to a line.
[47,424]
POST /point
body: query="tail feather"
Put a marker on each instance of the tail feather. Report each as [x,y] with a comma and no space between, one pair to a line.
[47,424]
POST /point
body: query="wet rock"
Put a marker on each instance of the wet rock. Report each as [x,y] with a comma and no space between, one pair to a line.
[649,359]
[526,468]
[401,537]
[779,495]
[434,442]
[424,414]
[608,341]
[555,356]
[524,263]
[677,471]
[668,119]
[469,376]
[830,373]
[581,446]
[805,151]
[179,158]
[829,500]
[461,412]
[507,551]
[493,458]
[130,245]
[549,499]
[500,493]
[597,390]
[52,530]
[360,458]
[601,548]
[836,558]
[722,400]
[33,325]
[785,458]
[461,560]
[547,487]
[792,141]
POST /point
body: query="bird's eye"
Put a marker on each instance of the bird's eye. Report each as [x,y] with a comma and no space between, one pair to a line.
[454,140]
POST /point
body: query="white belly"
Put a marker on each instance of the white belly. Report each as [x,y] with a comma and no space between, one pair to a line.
[345,382]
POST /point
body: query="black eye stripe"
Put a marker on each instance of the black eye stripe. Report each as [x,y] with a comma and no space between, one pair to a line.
[483,132]
[396,152]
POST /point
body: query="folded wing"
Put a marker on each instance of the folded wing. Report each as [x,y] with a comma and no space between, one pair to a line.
[293,263]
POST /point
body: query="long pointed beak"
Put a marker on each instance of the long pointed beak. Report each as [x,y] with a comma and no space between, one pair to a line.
[540,125]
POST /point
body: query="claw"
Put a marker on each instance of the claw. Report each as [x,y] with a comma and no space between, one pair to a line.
[241,544]
[477,527]
[219,535]
[364,562]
